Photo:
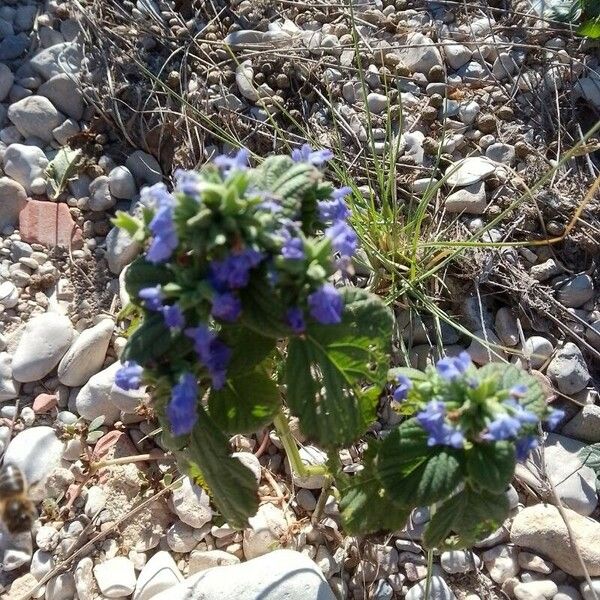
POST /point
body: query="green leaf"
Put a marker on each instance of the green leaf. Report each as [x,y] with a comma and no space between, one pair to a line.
[249,349]
[470,516]
[590,29]
[590,457]
[130,224]
[413,473]
[365,505]
[141,274]
[334,373]
[149,341]
[509,376]
[491,466]
[296,180]
[61,169]
[263,313]
[413,374]
[234,487]
[245,404]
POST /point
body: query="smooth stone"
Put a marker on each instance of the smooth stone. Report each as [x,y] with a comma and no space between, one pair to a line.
[100,197]
[6,81]
[245,38]
[121,183]
[592,334]
[265,531]
[25,164]
[61,587]
[457,55]
[532,562]
[115,577]
[36,451]
[251,462]
[439,590]
[12,46]
[585,425]
[94,398]
[480,352]
[538,349]
[459,561]
[200,560]
[419,54]
[501,563]
[44,342]
[377,103]
[35,116]
[86,354]
[569,370]
[41,564]
[470,199]
[20,549]
[468,112]
[144,167]
[567,592]
[311,456]
[504,66]
[192,504]
[84,579]
[506,326]
[65,94]
[9,388]
[541,529]
[12,200]
[588,592]
[180,537]
[536,590]
[159,573]
[65,57]
[577,291]
[501,153]
[280,575]
[121,249]
[468,171]
[244,79]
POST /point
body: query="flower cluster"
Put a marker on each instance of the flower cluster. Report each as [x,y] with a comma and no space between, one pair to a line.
[459,404]
[224,234]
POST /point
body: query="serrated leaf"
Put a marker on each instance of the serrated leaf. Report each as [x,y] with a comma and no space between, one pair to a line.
[249,349]
[413,473]
[262,313]
[491,466]
[590,457]
[149,341]
[296,180]
[365,505]
[245,404]
[334,373]
[61,169]
[465,519]
[233,486]
[141,274]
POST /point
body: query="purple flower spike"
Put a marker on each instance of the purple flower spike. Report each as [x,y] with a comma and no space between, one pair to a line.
[239,162]
[336,208]
[173,316]
[433,420]
[129,376]
[295,319]
[165,240]
[452,368]
[234,271]
[525,417]
[343,238]
[326,305]
[401,391]
[188,183]
[213,353]
[182,409]
[503,427]
[524,446]
[293,247]
[226,307]
[152,297]
[314,157]
[554,418]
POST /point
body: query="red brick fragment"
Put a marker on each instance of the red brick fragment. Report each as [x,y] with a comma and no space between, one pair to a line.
[50,224]
[44,403]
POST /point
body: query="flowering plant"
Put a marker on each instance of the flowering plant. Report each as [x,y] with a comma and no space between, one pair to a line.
[234,295]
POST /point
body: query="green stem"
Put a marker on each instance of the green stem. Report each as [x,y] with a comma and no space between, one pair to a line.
[291,449]
[429,562]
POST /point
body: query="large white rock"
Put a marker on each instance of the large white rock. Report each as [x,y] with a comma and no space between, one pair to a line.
[86,354]
[192,504]
[468,171]
[94,398]
[44,342]
[279,575]
[25,164]
[115,577]
[35,116]
[36,451]
[159,573]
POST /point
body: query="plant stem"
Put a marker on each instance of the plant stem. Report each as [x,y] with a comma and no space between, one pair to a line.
[291,449]
[429,574]
[130,459]
[321,502]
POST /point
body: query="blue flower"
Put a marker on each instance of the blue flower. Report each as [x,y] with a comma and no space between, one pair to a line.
[335,209]
[173,315]
[295,319]
[326,305]
[234,271]
[129,376]
[293,247]
[433,420]
[554,418]
[156,196]
[524,446]
[152,297]
[452,368]
[401,391]
[238,162]
[188,183]
[503,427]
[226,307]
[213,353]
[518,391]
[164,240]
[314,157]
[182,408]
[525,417]
[343,238]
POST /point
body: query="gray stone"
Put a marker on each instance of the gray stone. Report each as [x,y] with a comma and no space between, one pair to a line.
[200,560]
[94,398]
[459,561]
[506,326]
[65,131]
[588,592]
[144,167]
[12,46]
[159,574]
[468,112]
[504,66]
[244,79]
[192,504]
[535,590]
[585,425]
[577,291]
[265,532]
[60,58]
[469,170]
[377,103]
[545,270]
[115,577]
[485,347]
[12,199]
[9,388]
[121,249]
[25,164]
[44,342]
[100,197]
[280,575]
[592,334]
[180,537]
[588,88]
[457,55]
[569,370]
[61,587]
[63,91]
[439,590]
[420,54]
[121,183]
[535,563]
[86,355]
[35,116]
[470,199]
[501,563]
[502,153]
[6,81]
[245,38]
[538,350]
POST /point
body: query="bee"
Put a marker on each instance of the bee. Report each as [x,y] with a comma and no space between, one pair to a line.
[16,509]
